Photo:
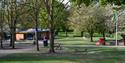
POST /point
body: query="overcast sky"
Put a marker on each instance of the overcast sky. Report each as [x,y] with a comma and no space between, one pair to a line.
[65,1]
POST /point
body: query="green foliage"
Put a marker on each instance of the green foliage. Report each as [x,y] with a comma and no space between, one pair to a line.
[102,2]
[79,2]
[97,35]
[91,19]
[82,19]
[86,2]
[60,16]
[116,2]
[43,22]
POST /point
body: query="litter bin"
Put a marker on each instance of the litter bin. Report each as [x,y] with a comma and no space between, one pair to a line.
[45,41]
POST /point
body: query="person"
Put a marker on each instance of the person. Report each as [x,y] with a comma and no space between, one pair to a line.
[45,41]
[34,42]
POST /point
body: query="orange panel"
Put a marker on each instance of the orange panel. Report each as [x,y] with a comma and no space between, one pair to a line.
[19,36]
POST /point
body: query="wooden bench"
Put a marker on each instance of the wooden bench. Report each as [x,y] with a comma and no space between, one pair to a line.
[79,51]
[57,46]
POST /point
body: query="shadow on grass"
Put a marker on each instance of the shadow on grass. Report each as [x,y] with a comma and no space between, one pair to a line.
[103,57]
[37,57]
[107,55]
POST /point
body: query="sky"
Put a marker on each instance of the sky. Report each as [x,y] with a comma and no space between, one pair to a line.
[65,1]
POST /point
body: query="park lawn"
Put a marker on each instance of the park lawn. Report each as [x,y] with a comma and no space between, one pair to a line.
[75,41]
[107,55]
[78,40]
[68,55]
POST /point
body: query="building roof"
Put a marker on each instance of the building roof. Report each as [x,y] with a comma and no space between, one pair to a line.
[32,30]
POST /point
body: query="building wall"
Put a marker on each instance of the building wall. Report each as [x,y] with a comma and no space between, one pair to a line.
[25,36]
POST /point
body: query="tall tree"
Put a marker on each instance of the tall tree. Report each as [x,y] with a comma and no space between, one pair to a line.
[14,9]
[82,19]
[90,19]
[2,21]
[55,16]
[103,19]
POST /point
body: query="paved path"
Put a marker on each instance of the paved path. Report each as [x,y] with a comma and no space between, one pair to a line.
[19,48]
[30,48]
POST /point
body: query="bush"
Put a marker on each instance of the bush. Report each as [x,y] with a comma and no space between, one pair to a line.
[97,35]
[86,35]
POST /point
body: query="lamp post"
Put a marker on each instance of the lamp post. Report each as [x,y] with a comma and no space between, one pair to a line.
[115,19]
[116,29]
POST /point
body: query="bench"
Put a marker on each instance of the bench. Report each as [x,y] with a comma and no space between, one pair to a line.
[113,42]
[57,46]
[79,51]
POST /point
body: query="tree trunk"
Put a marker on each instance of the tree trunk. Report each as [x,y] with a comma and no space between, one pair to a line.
[51,50]
[36,25]
[51,26]
[91,36]
[8,18]
[57,33]
[13,31]
[13,37]
[103,35]
[36,38]
[1,37]
[10,40]
[50,8]
[124,41]
[82,34]
[66,33]
[1,28]
[1,42]
[14,16]
[123,38]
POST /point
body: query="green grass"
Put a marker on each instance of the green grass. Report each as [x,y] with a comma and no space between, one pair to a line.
[78,34]
[80,40]
[69,55]
[76,41]
[111,55]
